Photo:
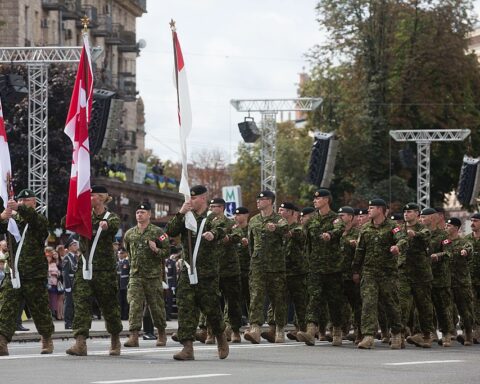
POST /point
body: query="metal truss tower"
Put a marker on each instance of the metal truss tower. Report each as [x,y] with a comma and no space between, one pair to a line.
[424,138]
[268,109]
[37,60]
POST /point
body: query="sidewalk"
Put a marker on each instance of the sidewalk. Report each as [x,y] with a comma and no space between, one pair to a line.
[97,330]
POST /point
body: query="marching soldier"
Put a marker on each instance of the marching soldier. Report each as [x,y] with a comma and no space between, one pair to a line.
[147,246]
[474,239]
[32,272]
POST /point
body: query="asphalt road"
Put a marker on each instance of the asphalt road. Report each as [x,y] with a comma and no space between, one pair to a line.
[264,363]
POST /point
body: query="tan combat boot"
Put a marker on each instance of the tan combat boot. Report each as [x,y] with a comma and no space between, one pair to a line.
[416,339]
[427,340]
[47,345]
[253,334]
[236,337]
[270,334]
[222,346]
[79,348]
[228,333]
[162,338]
[115,345]
[292,335]
[201,335]
[337,337]
[446,340]
[210,338]
[132,340]
[308,337]
[366,343]
[396,341]
[186,353]
[279,335]
[3,346]
[468,338]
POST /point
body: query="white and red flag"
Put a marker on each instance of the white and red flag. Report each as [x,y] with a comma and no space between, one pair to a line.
[79,219]
[6,173]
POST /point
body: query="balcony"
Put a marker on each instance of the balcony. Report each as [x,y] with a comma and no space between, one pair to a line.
[127,86]
[104,26]
[72,10]
[114,37]
[91,12]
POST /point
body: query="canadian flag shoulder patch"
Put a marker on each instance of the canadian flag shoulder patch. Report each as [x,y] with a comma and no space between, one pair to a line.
[396,230]
[446,242]
[163,237]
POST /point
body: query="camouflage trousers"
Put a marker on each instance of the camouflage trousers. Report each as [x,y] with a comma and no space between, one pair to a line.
[103,287]
[416,295]
[476,305]
[245,301]
[273,285]
[35,294]
[353,304]
[375,289]
[325,288]
[442,302]
[149,292]
[231,290]
[203,297]
[463,298]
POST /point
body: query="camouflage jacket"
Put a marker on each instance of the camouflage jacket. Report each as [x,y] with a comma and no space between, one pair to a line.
[143,261]
[458,263]
[32,263]
[266,247]
[104,258]
[324,256]
[348,251]
[294,244]
[414,260]
[227,254]
[243,252]
[207,264]
[440,268]
[372,255]
[475,259]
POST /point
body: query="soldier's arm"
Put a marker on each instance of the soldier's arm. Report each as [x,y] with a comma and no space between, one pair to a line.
[337,231]
[176,225]
[359,257]
[163,244]
[113,222]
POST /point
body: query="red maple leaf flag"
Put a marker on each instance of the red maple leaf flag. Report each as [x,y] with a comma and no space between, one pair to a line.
[79,207]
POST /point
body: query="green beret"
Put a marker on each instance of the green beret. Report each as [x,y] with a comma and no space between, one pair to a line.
[475,216]
[360,211]
[145,206]
[347,209]
[269,194]
[217,200]
[411,207]
[396,216]
[428,212]
[98,189]
[288,205]
[197,190]
[322,192]
[454,221]
[241,211]
[377,203]
[307,211]
[26,193]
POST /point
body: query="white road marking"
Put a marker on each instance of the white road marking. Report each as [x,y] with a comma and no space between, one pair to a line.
[161,378]
[426,362]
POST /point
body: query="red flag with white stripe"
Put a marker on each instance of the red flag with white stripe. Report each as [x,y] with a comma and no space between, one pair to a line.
[79,206]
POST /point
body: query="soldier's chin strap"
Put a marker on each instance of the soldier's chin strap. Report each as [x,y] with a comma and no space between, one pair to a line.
[87,268]
[14,274]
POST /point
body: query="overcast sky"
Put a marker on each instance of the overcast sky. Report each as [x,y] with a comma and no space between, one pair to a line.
[248,49]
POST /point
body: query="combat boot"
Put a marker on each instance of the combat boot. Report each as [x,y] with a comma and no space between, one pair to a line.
[161,339]
[447,340]
[201,335]
[115,345]
[270,334]
[228,333]
[132,340]
[236,337]
[308,337]
[337,336]
[279,335]
[79,348]
[416,339]
[396,341]
[210,338]
[292,335]
[358,337]
[3,346]
[253,334]
[468,338]
[47,345]
[366,343]
[427,340]
[186,353]
[222,346]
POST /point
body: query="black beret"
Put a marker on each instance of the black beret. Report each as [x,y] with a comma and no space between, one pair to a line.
[269,194]
[346,209]
[307,211]
[439,209]
[26,193]
[217,200]
[454,221]
[411,207]
[428,211]
[322,192]
[377,203]
[71,239]
[98,189]
[396,216]
[475,216]
[145,206]
[198,190]
[241,211]
[360,211]
[288,205]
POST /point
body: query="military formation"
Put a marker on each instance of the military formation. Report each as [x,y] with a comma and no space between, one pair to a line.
[346,275]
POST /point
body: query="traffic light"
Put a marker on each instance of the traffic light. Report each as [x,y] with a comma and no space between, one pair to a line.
[469,181]
[322,159]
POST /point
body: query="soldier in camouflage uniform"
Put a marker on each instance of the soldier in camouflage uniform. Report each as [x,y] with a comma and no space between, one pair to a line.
[325,262]
[415,274]
[32,268]
[267,274]
[474,239]
[460,251]
[379,275]
[103,285]
[203,296]
[148,247]
[441,291]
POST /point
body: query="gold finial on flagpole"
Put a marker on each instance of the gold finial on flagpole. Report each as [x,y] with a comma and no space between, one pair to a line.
[85,21]
[172,25]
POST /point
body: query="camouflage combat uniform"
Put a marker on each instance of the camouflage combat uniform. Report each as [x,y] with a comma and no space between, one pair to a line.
[146,272]
[475,276]
[33,268]
[244,258]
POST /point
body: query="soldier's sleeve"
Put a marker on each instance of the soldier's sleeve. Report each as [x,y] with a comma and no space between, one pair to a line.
[282,226]
[250,237]
[359,254]
[176,225]
[217,227]
[33,218]
[126,241]
[337,231]
[468,246]
[113,222]
[163,243]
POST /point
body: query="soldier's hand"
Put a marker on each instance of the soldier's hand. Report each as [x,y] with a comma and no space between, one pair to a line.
[434,257]
[394,250]
[103,224]
[244,241]
[6,214]
[356,278]
[186,207]
[12,204]
[326,236]
[353,243]
[208,236]
[464,252]
[226,239]
[411,233]
[153,246]
[271,227]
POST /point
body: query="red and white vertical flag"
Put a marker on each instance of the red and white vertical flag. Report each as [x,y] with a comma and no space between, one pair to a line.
[79,219]
[184,120]
[5,173]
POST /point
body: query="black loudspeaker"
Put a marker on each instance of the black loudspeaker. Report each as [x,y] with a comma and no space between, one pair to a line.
[249,130]
[322,159]
[98,123]
[13,88]
[469,181]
